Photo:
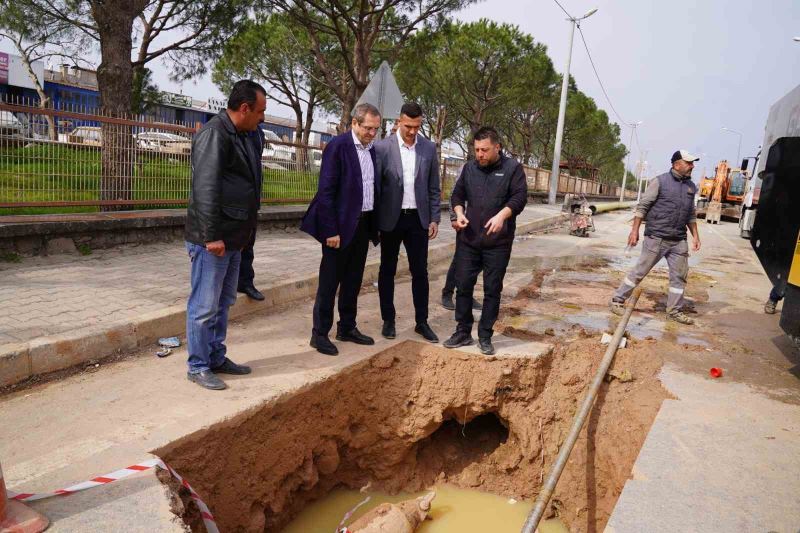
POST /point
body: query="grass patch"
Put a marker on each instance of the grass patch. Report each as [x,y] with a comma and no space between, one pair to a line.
[10,257]
[84,249]
[54,173]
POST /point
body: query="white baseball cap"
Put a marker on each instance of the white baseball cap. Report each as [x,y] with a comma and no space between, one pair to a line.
[685,155]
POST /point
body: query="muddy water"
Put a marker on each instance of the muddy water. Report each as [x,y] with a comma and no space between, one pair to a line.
[454,511]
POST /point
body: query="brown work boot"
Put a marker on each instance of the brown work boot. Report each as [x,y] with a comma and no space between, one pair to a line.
[680,317]
[618,308]
[770,307]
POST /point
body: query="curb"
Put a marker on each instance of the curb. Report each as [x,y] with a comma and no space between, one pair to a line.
[42,355]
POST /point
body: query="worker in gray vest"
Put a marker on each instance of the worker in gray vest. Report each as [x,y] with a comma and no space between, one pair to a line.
[667,208]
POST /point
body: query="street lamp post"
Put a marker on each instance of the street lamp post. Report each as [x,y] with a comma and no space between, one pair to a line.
[627,161]
[642,165]
[739,149]
[562,108]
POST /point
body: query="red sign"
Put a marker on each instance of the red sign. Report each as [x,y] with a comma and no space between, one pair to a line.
[4,68]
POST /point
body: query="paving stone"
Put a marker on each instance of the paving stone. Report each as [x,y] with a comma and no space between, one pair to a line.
[65,292]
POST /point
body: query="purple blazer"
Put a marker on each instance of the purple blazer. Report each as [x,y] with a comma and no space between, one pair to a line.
[336,207]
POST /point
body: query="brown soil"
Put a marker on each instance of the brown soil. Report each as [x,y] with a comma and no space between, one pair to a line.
[415,415]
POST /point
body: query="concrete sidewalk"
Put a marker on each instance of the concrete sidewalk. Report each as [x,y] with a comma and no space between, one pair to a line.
[67,309]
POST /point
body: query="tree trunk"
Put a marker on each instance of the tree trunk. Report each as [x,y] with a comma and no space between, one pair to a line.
[44,101]
[347,111]
[438,134]
[300,155]
[115,80]
[307,130]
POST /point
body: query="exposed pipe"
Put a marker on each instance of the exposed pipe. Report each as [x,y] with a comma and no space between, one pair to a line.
[580,418]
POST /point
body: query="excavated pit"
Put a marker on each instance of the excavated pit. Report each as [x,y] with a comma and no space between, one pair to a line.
[417,415]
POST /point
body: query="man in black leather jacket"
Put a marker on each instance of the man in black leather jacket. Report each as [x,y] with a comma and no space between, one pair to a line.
[221,219]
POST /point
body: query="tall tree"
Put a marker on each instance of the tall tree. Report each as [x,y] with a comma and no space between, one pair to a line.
[59,40]
[275,53]
[591,139]
[366,31]
[186,31]
[480,72]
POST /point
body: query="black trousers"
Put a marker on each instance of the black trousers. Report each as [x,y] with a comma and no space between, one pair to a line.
[342,269]
[450,281]
[246,272]
[469,262]
[414,237]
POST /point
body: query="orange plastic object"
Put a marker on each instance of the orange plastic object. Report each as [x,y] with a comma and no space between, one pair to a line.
[16,517]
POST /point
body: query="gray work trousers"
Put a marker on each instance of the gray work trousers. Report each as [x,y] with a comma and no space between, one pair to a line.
[653,249]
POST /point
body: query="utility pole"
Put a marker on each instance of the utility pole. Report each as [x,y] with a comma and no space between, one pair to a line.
[562,108]
[642,167]
[739,149]
[627,161]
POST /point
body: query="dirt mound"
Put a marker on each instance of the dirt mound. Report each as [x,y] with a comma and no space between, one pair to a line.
[415,415]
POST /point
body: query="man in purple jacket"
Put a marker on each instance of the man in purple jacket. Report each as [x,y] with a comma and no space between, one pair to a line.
[341,218]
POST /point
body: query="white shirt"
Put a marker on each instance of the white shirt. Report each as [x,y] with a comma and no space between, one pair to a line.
[367,173]
[408,159]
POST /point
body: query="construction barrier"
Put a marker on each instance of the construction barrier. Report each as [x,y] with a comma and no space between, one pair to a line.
[205,513]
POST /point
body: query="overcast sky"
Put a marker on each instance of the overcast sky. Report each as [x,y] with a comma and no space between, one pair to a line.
[684,68]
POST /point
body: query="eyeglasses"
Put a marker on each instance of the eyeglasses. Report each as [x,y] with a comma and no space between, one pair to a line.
[370,130]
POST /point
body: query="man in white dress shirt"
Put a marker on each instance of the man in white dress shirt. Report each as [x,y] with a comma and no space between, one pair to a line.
[409,214]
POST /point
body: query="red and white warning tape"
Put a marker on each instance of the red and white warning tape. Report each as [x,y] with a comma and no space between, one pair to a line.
[208,518]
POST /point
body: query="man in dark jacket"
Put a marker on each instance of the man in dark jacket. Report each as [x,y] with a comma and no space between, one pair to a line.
[221,219]
[341,218]
[489,194]
[667,207]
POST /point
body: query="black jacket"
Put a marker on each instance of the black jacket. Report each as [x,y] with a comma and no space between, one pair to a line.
[484,191]
[226,184]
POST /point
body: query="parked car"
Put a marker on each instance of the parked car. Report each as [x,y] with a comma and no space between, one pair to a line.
[88,135]
[10,125]
[168,143]
[315,155]
[272,151]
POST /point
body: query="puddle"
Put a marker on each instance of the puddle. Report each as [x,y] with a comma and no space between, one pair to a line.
[590,277]
[538,323]
[639,327]
[550,262]
[454,510]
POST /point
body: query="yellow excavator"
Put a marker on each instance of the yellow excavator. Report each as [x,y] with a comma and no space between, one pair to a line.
[722,195]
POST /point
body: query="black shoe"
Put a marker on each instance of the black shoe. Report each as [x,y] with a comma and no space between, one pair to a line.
[485,346]
[459,338]
[323,345]
[354,336]
[427,333]
[447,302]
[252,293]
[476,305]
[207,379]
[388,330]
[229,367]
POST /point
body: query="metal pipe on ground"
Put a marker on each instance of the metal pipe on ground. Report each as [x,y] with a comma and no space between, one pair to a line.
[549,487]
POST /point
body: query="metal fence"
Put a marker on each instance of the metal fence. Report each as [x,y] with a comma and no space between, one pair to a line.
[78,159]
[539,181]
